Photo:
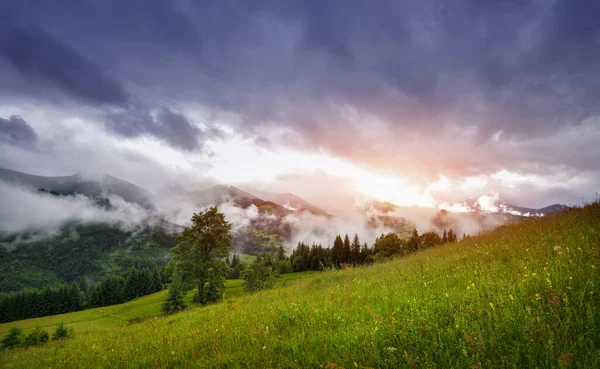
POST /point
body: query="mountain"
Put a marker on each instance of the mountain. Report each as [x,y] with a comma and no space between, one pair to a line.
[219,194]
[78,184]
[293,202]
[541,211]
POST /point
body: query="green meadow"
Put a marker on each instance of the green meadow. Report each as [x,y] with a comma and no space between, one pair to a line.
[522,296]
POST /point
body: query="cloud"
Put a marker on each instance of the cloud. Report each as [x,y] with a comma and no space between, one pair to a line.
[39,56]
[26,210]
[422,88]
[15,131]
[164,124]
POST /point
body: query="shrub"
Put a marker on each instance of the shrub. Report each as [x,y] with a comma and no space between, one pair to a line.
[13,338]
[37,336]
[62,332]
[259,275]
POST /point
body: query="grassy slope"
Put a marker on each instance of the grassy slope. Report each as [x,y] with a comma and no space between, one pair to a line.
[525,295]
[116,316]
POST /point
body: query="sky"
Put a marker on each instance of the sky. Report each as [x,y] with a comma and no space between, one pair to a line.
[427,103]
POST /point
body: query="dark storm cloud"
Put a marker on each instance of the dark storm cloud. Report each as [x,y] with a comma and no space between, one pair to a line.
[16,132]
[526,68]
[38,55]
[165,124]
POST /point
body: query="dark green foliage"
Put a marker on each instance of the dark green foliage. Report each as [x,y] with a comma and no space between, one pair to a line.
[215,288]
[111,290]
[318,257]
[412,245]
[62,332]
[337,251]
[14,338]
[429,239]
[236,267]
[390,245]
[452,237]
[200,251]
[256,242]
[355,251]
[174,302]
[346,249]
[36,337]
[259,275]
[92,250]
[78,296]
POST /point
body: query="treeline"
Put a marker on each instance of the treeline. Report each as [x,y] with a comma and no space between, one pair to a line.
[346,252]
[65,298]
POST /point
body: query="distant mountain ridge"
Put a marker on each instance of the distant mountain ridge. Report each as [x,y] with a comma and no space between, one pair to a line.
[541,211]
[293,202]
[78,184]
[275,204]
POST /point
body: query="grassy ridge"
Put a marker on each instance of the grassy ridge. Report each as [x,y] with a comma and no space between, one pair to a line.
[525,295]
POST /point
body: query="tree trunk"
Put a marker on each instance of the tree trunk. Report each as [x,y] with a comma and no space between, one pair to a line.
[201,292]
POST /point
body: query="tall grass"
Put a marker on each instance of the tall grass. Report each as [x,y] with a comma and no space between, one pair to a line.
[524,295]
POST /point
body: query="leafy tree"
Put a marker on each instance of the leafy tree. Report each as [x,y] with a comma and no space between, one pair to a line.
[259,275]
[389,245]
[445,237]
[14,338]
[216,282]
[430,239]
[201,248]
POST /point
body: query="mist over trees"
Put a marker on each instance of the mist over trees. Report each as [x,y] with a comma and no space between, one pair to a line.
[343,253]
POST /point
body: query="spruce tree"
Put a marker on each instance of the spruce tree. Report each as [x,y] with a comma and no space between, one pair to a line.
[337,250]
[174,302]
[355,250]
[346,250]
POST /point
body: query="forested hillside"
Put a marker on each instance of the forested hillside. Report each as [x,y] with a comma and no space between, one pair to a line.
[92,251]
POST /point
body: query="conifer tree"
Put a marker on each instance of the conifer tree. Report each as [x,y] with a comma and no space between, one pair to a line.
[174,302]
[337,250]
[346,250]
[355,250]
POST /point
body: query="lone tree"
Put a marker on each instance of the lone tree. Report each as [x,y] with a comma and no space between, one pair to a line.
[201,251]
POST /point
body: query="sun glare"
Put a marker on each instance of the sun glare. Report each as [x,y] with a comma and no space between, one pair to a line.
[391,189]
